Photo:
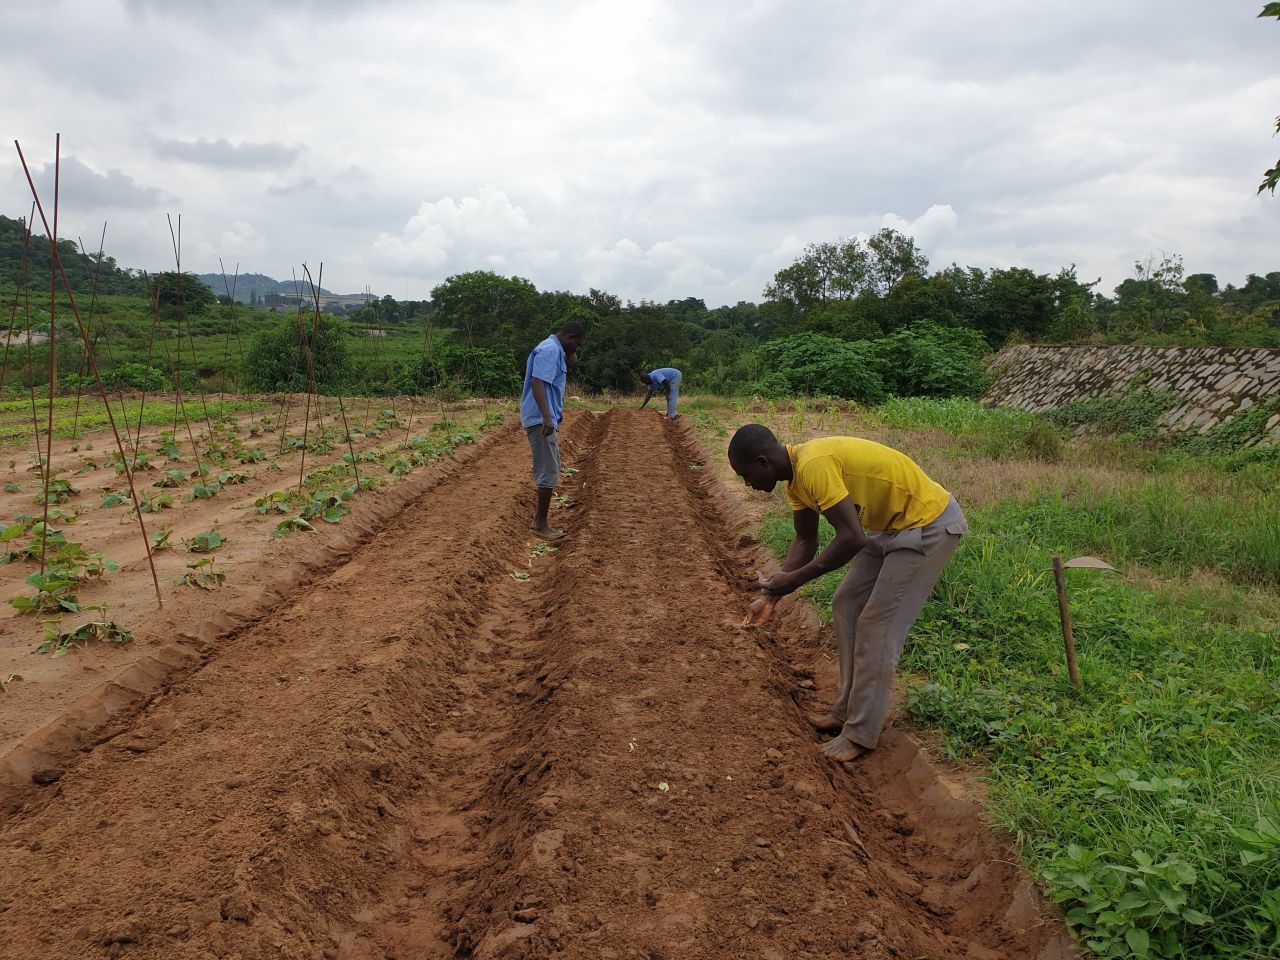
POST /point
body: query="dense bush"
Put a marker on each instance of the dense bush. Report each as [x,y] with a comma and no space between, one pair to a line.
[134,376]
[920,360]
[465,370]
[926,360]
[822,365]
[278,357]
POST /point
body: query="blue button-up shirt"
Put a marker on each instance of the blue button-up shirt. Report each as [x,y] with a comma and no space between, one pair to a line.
[547,363]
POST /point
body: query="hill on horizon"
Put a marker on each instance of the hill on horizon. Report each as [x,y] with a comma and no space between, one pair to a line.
[247,284]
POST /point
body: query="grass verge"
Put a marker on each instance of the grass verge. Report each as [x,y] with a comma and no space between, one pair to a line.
[1149,804]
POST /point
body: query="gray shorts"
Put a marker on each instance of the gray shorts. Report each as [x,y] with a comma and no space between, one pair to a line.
[546,456]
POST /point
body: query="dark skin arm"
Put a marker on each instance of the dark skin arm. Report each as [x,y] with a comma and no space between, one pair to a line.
[801,565]
[802,550]
[805,546]
[647,395]
[540,398]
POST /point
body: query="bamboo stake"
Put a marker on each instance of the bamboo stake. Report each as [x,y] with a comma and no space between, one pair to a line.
[183,313]
[151,343]
[53,349]
[31,382]
[342,411]
[84,336]
[1068,639]
[180,406]
[311,379]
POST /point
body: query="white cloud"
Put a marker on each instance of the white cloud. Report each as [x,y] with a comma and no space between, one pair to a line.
[449,236]
[928,229]
[667,270]
[702,134]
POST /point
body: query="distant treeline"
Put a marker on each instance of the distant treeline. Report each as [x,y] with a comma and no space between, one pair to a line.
[850,318]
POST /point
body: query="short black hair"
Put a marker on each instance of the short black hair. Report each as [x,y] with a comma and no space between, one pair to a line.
[573,329]
[750,441]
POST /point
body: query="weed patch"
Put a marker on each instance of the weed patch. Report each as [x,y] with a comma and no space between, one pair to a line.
[1148,803]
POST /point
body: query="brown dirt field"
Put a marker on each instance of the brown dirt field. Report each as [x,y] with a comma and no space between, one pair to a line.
[416,754]
[50,687]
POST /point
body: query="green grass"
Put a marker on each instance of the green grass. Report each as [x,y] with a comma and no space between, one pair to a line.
[1134,413]
[1161,523]
[1001,433]
[955,415]
[16,427]
[1148,803]
[213,342]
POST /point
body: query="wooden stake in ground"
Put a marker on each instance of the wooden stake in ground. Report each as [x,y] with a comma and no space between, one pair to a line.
[53,351]
[1064,613]
[97,375]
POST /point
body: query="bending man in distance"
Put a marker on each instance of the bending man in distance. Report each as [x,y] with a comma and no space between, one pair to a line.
[898,527]
[663,380]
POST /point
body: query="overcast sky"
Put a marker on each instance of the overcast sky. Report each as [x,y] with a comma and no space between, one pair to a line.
[652,149]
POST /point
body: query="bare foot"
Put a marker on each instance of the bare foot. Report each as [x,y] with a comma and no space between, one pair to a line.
[548,533]
[842,750]
[826,723]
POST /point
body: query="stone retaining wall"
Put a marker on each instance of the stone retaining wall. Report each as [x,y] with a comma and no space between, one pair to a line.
[1215,384]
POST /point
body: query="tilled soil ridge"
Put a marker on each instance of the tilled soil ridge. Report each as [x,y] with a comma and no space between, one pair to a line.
[460,743]
[179,639]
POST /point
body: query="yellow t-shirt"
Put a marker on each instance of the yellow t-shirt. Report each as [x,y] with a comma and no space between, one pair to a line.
[888,488]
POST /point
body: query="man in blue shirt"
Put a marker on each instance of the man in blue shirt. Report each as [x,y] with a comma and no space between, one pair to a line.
[542,410]
[665,380]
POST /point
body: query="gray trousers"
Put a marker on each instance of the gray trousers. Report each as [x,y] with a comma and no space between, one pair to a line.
[875,605]
[673,396]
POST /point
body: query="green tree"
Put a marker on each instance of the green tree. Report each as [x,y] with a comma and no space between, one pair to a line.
[83,270]
[1075,322]
[837,272]
[487,309]
[1154,300]
[825,272]
[1271,178]
[724,359]
[278,356]
[621,346]
[927,360]
[893,256]
[181,293]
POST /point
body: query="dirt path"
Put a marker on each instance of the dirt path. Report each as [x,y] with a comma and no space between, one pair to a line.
[424,756]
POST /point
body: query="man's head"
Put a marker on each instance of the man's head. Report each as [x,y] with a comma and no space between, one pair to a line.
[758,458]
[571,336]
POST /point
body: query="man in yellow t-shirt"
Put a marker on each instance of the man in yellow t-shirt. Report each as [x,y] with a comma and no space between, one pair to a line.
[898,527]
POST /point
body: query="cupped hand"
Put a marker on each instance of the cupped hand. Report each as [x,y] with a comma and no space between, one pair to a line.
[760,611]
